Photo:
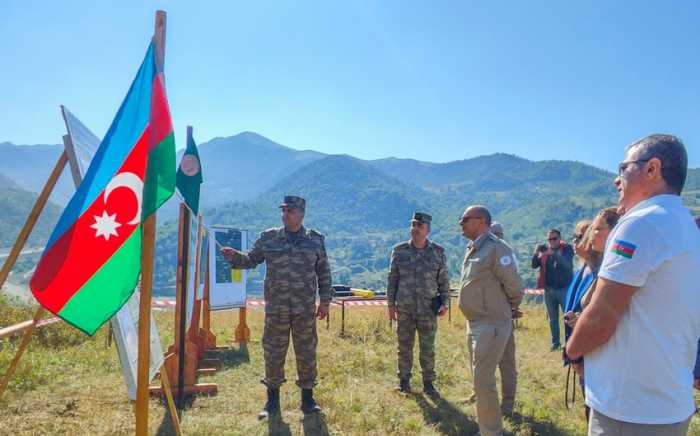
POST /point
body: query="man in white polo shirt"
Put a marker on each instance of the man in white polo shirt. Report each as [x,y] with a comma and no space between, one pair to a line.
[640,332]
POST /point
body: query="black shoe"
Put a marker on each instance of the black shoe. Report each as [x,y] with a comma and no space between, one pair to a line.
[272,407]
[428,388]
[404,387]
[507,411]
[554,347]
[308,404]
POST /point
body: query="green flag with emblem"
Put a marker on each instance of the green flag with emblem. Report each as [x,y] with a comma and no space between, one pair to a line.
[189,176]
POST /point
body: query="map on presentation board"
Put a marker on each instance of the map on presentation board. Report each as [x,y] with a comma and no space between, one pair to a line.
[227,287]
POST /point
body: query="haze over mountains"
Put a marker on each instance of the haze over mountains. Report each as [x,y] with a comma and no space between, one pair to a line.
[241,167]
[363,207]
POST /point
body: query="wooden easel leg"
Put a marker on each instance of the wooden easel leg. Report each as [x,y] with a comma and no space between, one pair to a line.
[242,331]
[20,351]
[171,402]
[110,335]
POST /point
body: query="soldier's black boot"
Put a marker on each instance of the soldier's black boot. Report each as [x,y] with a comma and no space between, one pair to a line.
[308,404]
[272,407]
[428,388]
[403,387]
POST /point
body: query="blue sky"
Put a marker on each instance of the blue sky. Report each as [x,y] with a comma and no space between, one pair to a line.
[430,80]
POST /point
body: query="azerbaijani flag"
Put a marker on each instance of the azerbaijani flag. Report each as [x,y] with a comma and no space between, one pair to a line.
[92,262]
[624,249]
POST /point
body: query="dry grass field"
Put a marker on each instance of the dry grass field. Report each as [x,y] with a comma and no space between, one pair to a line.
[68,384]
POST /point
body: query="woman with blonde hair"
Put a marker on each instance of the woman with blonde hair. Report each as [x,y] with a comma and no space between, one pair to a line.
[584,276]
[600,230]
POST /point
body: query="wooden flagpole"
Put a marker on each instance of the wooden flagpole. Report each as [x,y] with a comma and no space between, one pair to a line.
[142,374]
[181,328]
[147,256]
[185,227]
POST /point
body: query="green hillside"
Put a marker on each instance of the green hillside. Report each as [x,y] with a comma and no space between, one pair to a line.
[363,211]
[15,205]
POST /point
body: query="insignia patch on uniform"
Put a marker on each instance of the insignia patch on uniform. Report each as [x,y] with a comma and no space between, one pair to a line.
[506,260]
[624,249]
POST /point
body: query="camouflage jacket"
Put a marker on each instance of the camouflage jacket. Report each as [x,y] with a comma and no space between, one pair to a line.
[294,270]
[416,276]
[490,285]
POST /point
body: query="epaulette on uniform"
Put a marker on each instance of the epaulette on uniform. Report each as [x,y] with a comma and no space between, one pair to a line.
[438,246]
[270,231]
[317,233]
[401,244]
[494,238]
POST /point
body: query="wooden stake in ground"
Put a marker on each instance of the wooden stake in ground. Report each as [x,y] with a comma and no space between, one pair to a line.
[147,255]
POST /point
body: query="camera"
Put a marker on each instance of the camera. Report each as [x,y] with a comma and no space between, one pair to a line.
[543,248]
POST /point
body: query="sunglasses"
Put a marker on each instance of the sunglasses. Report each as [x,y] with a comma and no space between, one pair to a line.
[466,218]
[623,166]
[553,239]
[578,236]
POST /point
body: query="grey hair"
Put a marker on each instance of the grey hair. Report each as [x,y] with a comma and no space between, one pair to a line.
[672,154]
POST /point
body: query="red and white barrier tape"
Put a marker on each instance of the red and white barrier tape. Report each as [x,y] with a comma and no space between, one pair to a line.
[363,303]
[165,303]
[160,303]
[48,321]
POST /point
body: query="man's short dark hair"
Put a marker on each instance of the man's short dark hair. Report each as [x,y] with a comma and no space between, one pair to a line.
[672,154]
[554,231]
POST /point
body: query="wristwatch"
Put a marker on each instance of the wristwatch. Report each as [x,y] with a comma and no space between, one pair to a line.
[571,361]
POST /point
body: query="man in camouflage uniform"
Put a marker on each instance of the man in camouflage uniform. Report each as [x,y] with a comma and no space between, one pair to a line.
[489,292]
[297,266]
[417,274]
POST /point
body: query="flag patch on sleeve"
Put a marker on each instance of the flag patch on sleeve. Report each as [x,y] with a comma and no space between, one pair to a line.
[624,249]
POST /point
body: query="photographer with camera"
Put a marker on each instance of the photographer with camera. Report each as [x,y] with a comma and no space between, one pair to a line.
[555,261]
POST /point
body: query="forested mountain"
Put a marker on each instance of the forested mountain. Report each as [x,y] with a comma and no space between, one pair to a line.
[30,166]
[363,211]
[362,207]
[691,191]
[15,205]
[244,166]
[235,168]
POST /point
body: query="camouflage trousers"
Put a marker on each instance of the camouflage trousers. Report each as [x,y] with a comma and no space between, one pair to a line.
[275,342]
[406,328]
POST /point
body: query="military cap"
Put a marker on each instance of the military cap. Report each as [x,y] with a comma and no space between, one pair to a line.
[496,227]
[422,218]
[294,201]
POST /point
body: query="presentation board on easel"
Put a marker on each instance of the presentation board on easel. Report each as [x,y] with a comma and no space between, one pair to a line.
[81,145]
[125,325]
[227,287]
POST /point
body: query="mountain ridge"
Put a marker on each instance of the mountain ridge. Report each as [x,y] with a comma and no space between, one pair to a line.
[364,207]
